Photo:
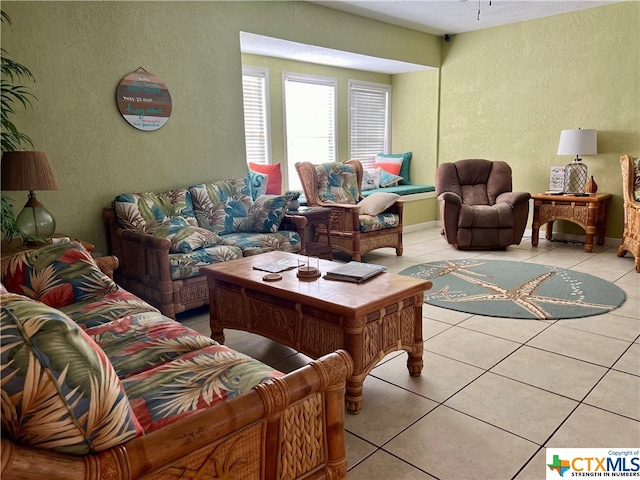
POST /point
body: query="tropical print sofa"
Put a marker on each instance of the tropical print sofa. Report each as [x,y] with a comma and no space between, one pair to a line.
[163,239]
[97,383]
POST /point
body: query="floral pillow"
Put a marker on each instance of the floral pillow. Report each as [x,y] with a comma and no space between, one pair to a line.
[144,212]
[337,183]
[371,178]
[389,179]
[265,215]
[222,205]
[184,237]
[52,367]
[57,275]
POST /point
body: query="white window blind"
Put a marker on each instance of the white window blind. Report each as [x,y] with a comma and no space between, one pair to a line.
[255,93]
[310,122]
[369,121]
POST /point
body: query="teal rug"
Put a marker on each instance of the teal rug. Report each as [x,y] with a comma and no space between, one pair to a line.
[499,288]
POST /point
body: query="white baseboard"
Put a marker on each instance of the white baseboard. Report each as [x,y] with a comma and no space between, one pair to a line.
[567,237]
[421,226]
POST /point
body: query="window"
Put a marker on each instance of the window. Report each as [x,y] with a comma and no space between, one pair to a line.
[310,122]
[255,93]
[369,121]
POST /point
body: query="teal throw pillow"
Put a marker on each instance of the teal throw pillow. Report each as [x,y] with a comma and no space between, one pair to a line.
[404,169]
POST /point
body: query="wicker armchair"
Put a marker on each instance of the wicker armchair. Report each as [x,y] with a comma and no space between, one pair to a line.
[631,233]
[350,231]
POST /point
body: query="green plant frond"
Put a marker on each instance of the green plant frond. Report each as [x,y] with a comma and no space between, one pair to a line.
[42,281]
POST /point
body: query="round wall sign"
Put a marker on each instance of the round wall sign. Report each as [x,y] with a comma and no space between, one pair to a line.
[143,100]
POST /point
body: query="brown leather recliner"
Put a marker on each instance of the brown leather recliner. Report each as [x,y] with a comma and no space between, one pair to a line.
[478,210]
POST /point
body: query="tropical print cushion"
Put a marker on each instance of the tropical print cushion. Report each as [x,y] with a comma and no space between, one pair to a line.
[255,243]
[258,182]
[57,275]
[636,182]
[145,212]
[136,343]
[221,205]
[337,183]
[370,223]
[265,214]
[107,308]
[59,390]
[197,380]
[184,237]
[185,265]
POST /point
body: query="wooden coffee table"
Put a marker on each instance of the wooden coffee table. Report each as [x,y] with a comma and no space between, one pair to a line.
[370,320]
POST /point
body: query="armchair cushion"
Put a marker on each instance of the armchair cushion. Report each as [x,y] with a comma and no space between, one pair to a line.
[337,183]
[636,179]
[144,212]
[54,374]
[383,221]
[57,275]
[184,237]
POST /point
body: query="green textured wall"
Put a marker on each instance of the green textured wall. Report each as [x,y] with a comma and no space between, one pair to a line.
[507,92]
[79,52]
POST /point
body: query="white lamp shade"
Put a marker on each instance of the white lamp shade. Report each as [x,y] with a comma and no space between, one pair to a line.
[578,142]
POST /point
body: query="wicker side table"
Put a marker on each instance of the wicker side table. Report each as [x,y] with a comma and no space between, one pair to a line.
[317,216]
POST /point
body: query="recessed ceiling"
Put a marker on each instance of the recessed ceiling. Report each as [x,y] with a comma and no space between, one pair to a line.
[437,17]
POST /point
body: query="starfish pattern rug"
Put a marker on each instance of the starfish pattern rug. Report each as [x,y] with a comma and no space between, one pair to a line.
[500,288]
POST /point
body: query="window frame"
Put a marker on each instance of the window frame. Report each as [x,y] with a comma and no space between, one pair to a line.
[368,159]
[262,73]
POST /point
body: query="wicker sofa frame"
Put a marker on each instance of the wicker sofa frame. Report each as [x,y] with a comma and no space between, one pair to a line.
[144,266]
[631,233]
[286,428]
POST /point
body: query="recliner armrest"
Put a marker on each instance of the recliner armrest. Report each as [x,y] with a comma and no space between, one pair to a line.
[513,198]
[450,197]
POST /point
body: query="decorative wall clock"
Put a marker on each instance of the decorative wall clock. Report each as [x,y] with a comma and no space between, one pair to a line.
[143,100]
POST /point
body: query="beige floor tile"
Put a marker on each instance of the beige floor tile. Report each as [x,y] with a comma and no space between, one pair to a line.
[617,392]
[441,377]
[357,449]
[536,469]
[517,330]
[581,345]
[382,466]
[431,328]
[549,371]
[630,361]
[591,427]
[453,446]
[609,324]
[471,347]
[444,315]
[387,410]
[527,411]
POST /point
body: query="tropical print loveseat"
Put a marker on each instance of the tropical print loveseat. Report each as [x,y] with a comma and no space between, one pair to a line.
[96,383]
[163,239]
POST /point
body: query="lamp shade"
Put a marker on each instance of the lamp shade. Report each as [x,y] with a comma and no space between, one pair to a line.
[24,170]
[578,142]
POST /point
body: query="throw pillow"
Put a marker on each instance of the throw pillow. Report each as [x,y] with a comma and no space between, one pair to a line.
[371,178]
[145,211]
[391,165]
[404,168]
[184,237]
[274,185]
[52,367]
[258,182]
[221,205]
[389,179]
[376,203]
[57,275]
[265,215]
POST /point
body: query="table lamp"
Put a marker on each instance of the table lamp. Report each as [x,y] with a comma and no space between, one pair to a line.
[577,142]
[23,170]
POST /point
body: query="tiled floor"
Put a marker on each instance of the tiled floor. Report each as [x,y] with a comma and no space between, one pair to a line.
[494,392]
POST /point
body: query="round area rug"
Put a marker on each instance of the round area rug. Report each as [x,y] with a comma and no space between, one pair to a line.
[499,288]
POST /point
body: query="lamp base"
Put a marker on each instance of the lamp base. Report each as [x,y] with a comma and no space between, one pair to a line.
[575,177]
[35,222]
